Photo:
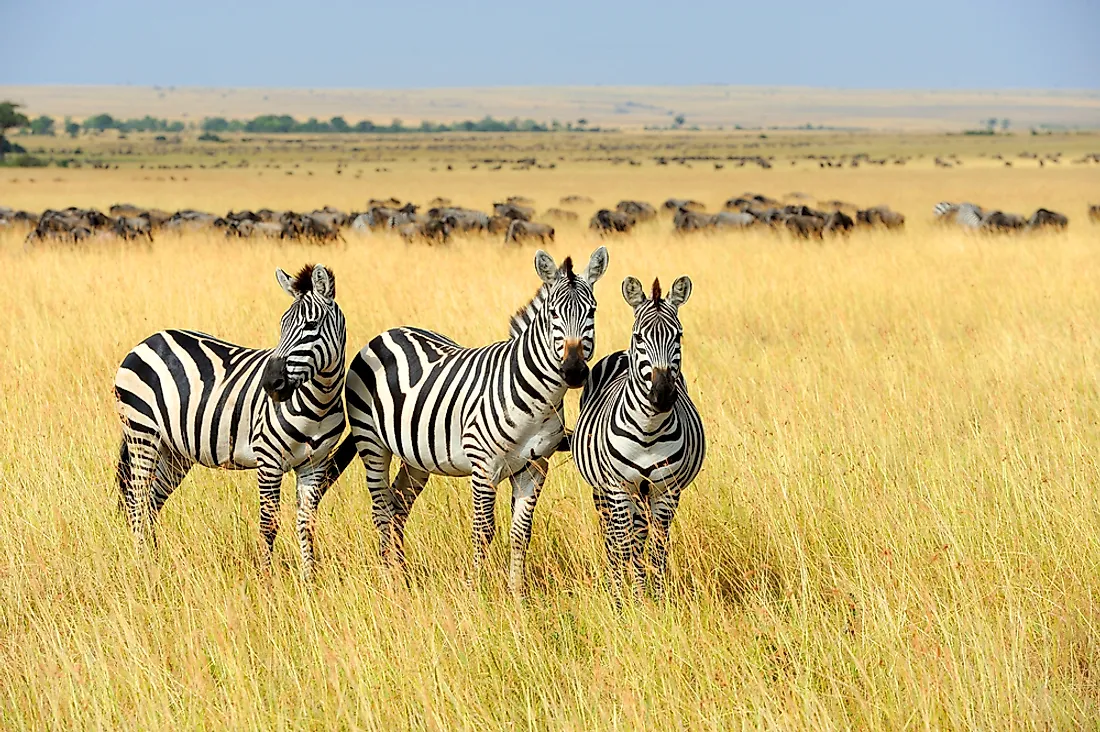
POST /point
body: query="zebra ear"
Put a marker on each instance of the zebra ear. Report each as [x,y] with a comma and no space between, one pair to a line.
[286,282]
[597,265]
[544,265]
[680,292]
[633,292]
[324,284]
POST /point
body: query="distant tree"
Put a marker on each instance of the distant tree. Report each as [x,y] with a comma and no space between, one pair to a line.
[42,126]
[679,120]
[10,117]
[582,122]
[100,122]
[215,124]
[364,126]
[339,124]
[1004,124]
[72,129]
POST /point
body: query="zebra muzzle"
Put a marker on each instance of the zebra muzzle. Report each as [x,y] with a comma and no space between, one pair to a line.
[574,369]
[662,390]
[275,380]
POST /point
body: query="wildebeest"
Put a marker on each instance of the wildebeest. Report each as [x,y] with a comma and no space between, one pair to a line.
[512,210]
[561,215]
[574,200]
[1001,221]
[499,224]
[675,204]
[640,210]
[609,222]
[687,220]
[1046,219]
[734,219]
[1094,213]
[133,227]
[805,227]
[520,230]
[431,230]
[838,222]
[880,215]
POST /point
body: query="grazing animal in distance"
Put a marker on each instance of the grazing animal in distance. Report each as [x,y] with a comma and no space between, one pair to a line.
[639,440]
[490,413]
[609,222]
[1046,219]
[640,210]
[188,398]
[520,230]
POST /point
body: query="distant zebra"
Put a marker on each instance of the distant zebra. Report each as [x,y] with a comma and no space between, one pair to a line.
[969,216]
[944,208]
[489,413]
[639,440]
[966,215]
[186,397]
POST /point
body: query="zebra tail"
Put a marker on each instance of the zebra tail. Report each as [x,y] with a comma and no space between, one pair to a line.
[124,475]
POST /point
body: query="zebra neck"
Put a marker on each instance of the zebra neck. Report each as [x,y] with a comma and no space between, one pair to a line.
[535,363]
[321,393]
[634,404]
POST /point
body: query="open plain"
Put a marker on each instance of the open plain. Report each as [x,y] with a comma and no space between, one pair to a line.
[897,525]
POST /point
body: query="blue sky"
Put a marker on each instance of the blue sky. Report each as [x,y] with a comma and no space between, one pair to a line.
[429,43]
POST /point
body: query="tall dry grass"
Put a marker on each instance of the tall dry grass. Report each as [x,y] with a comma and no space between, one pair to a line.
[897,524]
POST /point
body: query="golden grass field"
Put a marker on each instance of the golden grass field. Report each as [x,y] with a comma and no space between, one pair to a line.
[897,526]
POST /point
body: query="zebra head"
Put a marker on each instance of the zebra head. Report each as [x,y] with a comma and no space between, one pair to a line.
[569,311]
[312,333]
[655,339]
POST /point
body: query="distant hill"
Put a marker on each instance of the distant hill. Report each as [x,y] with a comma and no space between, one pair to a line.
[620,107]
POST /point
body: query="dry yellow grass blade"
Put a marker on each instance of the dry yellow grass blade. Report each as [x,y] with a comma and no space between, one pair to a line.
[897,524]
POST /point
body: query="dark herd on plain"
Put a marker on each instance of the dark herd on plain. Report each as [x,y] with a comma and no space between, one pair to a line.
[514,219]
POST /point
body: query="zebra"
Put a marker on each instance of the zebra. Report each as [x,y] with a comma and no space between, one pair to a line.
[186,397]
[639,439]
[944,211]
[969,216]
[489,413]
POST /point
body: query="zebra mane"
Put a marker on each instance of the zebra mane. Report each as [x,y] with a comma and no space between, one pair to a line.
[303,281]
[656,298]
[523,318]
[567,268]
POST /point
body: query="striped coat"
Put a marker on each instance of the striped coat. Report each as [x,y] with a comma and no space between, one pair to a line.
[639,439]
[187,398]
[490,413]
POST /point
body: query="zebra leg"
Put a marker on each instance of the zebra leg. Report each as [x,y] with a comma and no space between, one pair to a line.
[485,527]
[406,488]
[270,480]
[143,451]
[617,538]
[636,541]
[310,488]
[526,486]
[664,510]
[376,464]
[170,472]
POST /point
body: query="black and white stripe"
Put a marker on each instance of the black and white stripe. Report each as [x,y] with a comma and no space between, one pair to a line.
[490,413]
[186,397]
[639,440]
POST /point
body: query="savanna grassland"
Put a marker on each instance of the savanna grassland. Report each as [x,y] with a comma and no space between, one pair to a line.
[897,526]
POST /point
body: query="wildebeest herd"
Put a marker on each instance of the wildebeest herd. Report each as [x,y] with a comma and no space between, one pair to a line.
[514,219]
